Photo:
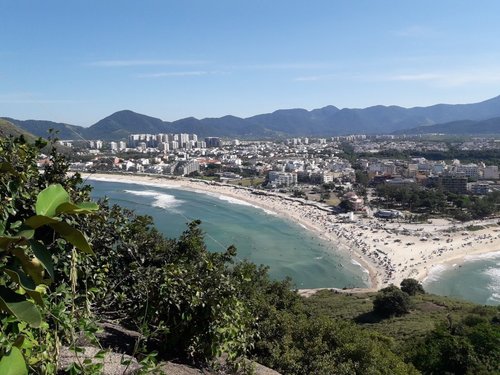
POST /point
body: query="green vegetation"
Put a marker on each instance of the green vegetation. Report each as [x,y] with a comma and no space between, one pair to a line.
[248,181]
[412,287]
[9,129]
[191,304]
[391,301]
[435,201]
[439,335]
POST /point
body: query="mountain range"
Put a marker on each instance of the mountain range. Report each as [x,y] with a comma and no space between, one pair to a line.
[475,118]
[460,127]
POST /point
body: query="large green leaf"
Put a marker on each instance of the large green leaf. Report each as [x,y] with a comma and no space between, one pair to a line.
[26,233]
[18,306]
[73,236]
[81,208]
[44,256]
[39,220]
[49,199]
[17,275]
[13,363]
[37,297]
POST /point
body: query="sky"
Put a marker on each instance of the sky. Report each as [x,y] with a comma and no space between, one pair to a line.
[79,61]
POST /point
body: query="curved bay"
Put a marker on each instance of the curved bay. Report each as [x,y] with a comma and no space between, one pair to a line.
[264,238]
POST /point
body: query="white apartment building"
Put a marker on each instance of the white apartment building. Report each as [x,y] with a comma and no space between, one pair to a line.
[469,170]
[490,172]
[282,178]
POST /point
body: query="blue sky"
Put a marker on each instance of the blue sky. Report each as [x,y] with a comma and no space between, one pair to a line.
[79,61]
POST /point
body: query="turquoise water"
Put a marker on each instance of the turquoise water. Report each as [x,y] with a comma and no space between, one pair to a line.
[477,279]
[260,236]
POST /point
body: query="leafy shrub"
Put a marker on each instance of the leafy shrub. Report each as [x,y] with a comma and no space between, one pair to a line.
[36,218]
[391,301]
[412,287]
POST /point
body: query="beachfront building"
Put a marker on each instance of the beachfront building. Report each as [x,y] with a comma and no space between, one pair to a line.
[186,167]
[277,178]
[354,202]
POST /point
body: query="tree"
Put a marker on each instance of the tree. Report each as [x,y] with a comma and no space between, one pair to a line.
[391,301]
[325,196]
[412,287]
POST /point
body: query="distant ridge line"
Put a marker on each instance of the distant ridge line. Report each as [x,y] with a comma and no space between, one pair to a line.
[321,122]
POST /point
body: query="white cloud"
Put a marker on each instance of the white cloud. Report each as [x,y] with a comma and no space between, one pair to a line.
[321,77]
[452,78]
[128,63]
[285,66]
[178,74]
[416,77]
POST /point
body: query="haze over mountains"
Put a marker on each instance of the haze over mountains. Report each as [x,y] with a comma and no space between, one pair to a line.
[327,121]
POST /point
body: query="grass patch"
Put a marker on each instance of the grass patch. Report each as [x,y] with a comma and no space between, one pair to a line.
[473,228]
[427,311]
[248,182]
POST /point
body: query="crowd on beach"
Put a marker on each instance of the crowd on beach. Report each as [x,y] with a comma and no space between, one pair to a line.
[390,250]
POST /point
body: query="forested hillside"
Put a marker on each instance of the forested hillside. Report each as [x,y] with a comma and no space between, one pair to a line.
[69,264]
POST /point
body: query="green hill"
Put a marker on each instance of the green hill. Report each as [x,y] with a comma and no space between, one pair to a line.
[328,121]
[489,126]
[9,129]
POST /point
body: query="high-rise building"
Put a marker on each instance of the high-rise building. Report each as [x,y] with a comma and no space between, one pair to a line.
[213,142]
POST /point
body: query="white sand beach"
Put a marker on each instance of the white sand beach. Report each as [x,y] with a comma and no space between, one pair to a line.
[390,251]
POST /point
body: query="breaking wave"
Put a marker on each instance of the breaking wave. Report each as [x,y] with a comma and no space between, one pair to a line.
[161,200]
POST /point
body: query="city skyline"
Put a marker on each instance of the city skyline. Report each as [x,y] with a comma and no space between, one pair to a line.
[80,62]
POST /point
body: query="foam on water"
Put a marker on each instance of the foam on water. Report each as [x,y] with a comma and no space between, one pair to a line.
[161,200]
[164,183]
[494,284]
[356,263]
[485,256]
[234,201]
[494,299]
[435,273]
[241,202]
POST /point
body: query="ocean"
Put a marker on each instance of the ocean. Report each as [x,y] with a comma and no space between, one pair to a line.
[259,235]
[476,279]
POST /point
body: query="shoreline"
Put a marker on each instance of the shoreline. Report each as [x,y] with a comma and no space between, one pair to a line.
[415,250]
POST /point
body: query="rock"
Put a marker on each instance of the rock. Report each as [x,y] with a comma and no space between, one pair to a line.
[118,338]
[263,370]
[113,362]
[171,368]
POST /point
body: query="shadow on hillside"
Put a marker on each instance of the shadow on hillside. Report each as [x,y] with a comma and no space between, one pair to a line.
[369,317]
